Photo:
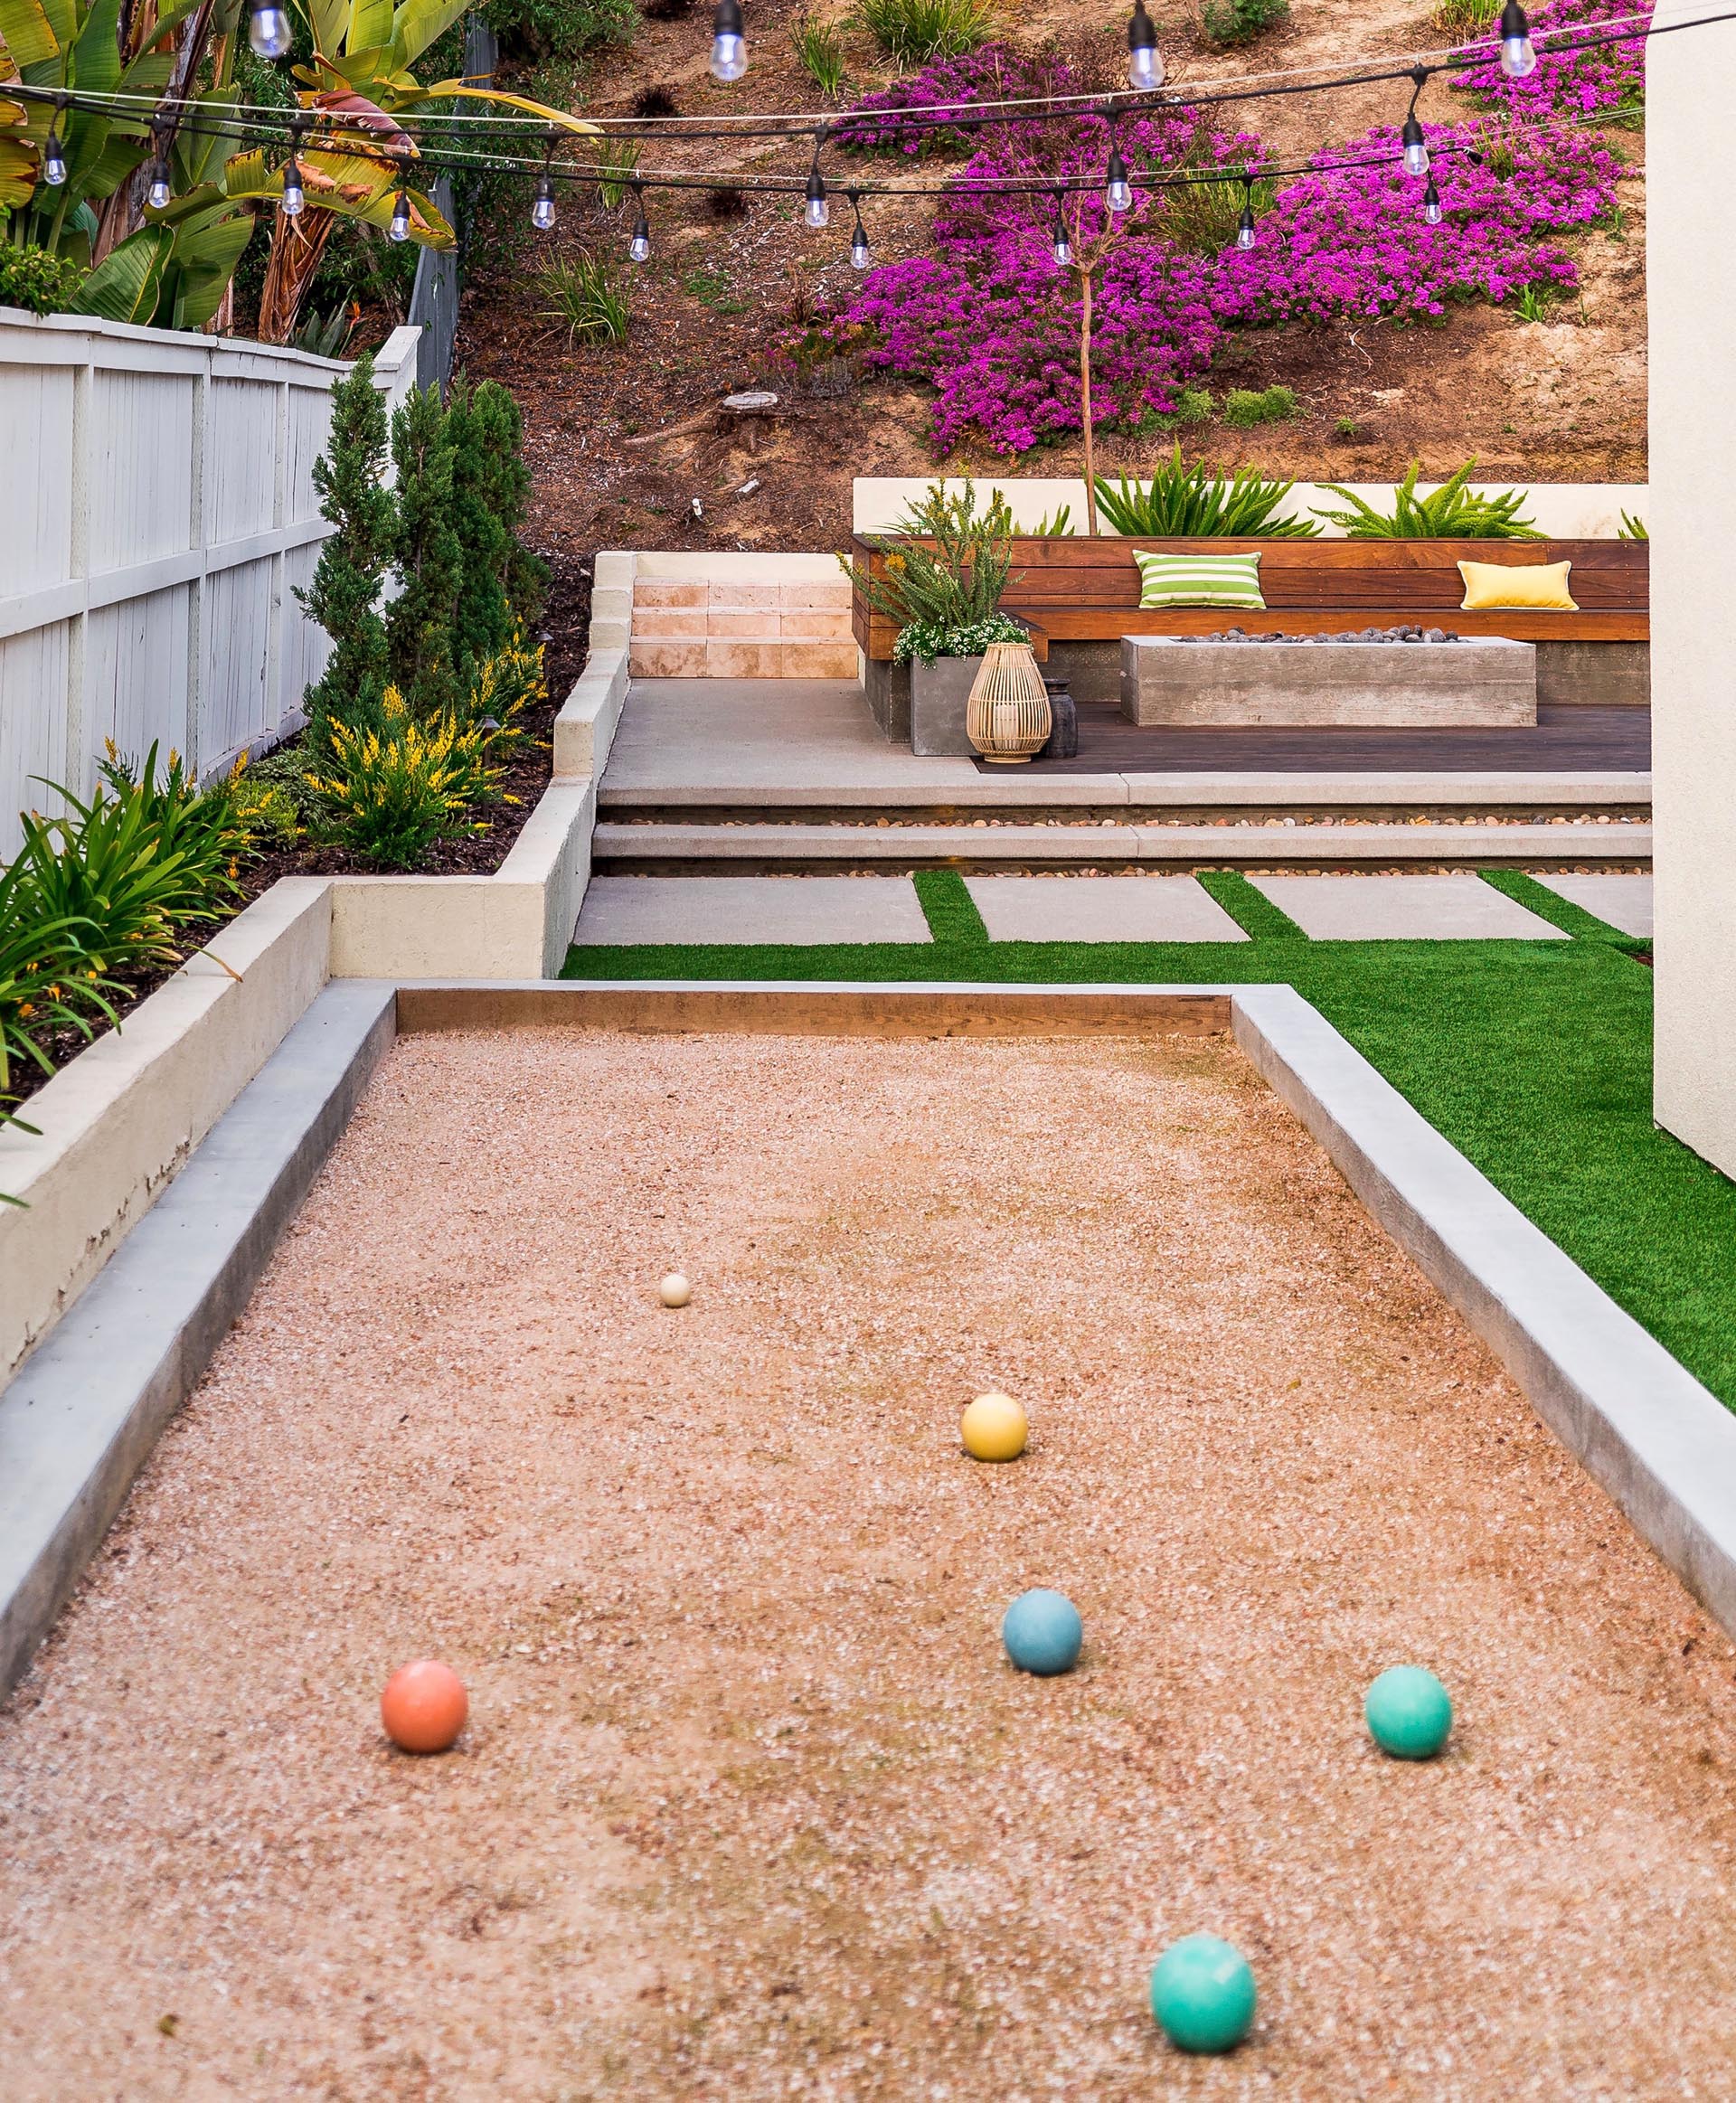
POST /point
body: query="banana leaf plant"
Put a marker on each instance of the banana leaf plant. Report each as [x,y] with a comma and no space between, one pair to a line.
[171,268]
[360,80]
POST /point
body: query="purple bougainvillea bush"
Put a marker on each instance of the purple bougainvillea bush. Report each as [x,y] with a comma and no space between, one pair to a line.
[1605,80]
[991,322]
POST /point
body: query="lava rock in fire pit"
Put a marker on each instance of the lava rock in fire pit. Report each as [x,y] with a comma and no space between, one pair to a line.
[1398,635]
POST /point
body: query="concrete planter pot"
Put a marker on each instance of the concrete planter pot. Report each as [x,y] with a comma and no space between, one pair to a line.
[938,695]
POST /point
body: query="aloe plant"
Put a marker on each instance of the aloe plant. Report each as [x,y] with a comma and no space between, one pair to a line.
[1453,513]
[1197,503]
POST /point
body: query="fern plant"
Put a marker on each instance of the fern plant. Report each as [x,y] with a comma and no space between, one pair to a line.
[1197,503]
[1453,513]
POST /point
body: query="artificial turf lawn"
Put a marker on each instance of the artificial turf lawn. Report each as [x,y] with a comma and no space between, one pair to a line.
[1533,1058]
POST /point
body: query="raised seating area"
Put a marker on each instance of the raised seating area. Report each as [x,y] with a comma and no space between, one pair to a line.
[1078,590]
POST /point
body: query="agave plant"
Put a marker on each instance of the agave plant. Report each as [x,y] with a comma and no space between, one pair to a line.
[1197,503]
[1453,513]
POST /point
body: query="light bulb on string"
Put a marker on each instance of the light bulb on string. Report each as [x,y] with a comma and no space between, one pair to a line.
[816,211]
[1144,61]
[729,45]
[53,153]
[543,202]
[1063,247]
[399,231]
[1431,204]
[267,30]
[861,254]
[160,192]
[1518,55]
[1246,233]
[640,248]
[1117,193]
[1415,147]
[294,196]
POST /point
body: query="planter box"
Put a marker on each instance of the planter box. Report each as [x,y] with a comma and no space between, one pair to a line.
[1399,685]
[938,693]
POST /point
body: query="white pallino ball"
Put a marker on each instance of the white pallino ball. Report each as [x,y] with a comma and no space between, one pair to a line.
[674,1291]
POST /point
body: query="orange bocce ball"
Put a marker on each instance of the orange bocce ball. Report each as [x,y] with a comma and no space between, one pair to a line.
[424,1706]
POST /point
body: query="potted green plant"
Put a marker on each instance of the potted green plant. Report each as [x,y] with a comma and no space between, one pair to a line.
[946,600]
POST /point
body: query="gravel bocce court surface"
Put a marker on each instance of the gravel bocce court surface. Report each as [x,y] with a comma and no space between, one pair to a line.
[751,1805]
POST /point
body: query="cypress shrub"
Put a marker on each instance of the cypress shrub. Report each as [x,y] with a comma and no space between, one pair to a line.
[345,593]
[429,558]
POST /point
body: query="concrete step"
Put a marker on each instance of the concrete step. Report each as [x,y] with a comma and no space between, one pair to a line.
[821,796]
[664,848]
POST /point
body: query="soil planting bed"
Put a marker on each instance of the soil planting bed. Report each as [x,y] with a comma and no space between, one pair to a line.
[750,1803]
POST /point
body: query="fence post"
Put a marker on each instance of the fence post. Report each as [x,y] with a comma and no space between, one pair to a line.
[439,273]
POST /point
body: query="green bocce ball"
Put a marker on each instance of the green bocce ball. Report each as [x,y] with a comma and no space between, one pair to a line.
[1203,1994]
[1409,1714]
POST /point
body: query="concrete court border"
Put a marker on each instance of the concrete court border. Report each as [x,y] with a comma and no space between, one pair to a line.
[79,1420]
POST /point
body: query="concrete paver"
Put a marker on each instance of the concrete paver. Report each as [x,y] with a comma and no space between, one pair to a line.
[1402,908]
[750,908]
[1625,902]
[1101,909]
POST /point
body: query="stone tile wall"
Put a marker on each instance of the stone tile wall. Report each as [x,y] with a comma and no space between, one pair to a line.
[715,628]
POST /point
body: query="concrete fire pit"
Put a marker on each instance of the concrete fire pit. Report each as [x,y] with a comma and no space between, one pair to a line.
[1416,685]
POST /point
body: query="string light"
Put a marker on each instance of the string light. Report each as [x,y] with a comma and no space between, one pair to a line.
[640,247]
[1118,193]
[816,211]
[1518,55]
[1063,247]
[399,231]
[861,254]
[543,207]
[729,45]
[53,153]
[158,196]
[1415,147]
[1431,204]
[294,196]
[1245,230]
[1144,61]
[267,30]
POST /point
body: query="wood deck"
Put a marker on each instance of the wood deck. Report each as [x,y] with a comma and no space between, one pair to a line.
[1565,740]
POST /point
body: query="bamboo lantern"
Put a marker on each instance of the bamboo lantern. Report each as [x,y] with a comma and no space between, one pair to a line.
[1007,717]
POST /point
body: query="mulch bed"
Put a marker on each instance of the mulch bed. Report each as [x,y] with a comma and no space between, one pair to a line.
[524,775]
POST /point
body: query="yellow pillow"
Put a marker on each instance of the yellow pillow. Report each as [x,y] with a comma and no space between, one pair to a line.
[1539,584]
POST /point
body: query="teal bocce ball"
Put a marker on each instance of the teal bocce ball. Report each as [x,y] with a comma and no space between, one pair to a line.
[1409,1714]
[1042,1633]
[1203,1994]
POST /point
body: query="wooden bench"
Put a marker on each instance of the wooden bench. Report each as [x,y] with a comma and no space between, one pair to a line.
[1082,591]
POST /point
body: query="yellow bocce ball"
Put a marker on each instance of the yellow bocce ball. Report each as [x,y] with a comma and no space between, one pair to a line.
[995,1427]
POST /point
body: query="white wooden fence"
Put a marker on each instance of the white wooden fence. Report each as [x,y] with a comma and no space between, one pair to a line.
[156,510]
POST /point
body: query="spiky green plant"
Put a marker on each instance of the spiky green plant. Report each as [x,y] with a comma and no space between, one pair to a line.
[819,52]
[1200,502]
[1453,513]
[1633,528]
[584,299]
[956,584]
[615,171]
[917,32]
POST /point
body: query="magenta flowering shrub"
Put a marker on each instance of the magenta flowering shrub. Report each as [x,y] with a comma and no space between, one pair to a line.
[1604,78]
[903,121]
[1353,241]
[991,322]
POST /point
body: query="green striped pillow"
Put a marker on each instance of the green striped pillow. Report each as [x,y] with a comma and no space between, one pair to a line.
[1199,580]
